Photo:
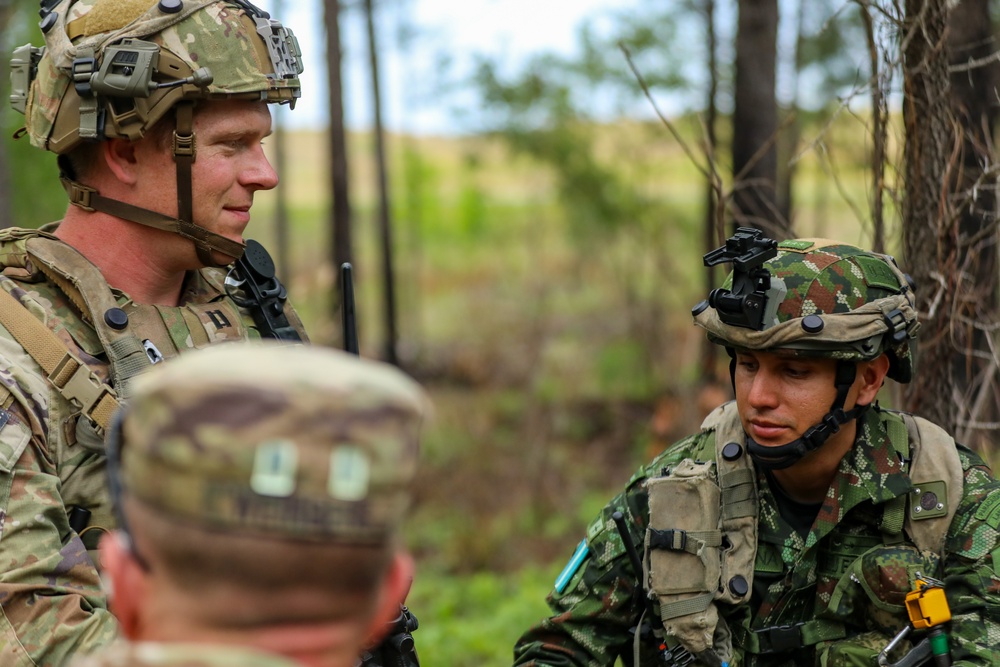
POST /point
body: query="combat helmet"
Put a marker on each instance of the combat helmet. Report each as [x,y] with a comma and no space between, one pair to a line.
[114,68]
[815,298]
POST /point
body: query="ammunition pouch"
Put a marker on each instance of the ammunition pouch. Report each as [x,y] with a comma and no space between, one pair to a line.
[701,543]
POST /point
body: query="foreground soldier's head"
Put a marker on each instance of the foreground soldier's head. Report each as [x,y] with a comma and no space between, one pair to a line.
[801,311]
[118,79]
[261,490]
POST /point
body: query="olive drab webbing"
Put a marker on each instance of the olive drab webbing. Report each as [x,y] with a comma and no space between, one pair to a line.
[84,284]
[70,376]
[701,543]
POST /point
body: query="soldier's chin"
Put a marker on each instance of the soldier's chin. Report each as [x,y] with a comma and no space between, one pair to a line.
[222,259]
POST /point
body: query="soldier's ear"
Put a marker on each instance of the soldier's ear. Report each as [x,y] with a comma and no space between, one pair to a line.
[124,581]
[391,595]
[871,376]
[120,158]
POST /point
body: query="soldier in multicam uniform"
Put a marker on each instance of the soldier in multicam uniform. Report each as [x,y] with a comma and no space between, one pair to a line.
[156,111]
[790,530]
[261,489]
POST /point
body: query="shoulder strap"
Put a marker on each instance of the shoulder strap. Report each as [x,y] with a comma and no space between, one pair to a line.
[939,481]
[738,482]
[70,376]
[89,291]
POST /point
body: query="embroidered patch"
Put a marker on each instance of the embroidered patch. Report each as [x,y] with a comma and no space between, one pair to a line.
[989,511]
[274,467]
[877,273]
[350,473]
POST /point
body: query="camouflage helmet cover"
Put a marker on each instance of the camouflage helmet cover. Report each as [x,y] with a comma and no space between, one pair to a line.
[829,299]
[244,54]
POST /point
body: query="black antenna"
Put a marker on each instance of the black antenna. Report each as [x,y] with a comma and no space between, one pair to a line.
[347,315]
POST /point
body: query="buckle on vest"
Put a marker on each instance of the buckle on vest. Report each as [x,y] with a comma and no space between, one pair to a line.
[672,539]
[780,638]
[82,387]
[678,657]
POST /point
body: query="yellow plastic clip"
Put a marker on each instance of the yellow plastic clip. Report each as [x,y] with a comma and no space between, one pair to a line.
[926,604]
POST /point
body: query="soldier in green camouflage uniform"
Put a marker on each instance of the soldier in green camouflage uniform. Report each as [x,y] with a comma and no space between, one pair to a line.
[845,508]
[262,488]
[156,111]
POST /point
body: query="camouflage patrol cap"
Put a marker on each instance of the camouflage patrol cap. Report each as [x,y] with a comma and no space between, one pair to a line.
[828,299]
[278,440]
[113,68]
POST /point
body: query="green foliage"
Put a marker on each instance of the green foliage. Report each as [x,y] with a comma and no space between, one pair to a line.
[474,620]
[472,201]
[832,50]
[36,194]
[543,113]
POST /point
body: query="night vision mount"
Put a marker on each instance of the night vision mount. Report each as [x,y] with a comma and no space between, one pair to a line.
[743,305]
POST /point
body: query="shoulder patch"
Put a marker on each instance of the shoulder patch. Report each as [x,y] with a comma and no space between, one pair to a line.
[989,511]
[596,527]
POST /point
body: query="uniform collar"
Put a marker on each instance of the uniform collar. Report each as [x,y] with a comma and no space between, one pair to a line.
[873,470]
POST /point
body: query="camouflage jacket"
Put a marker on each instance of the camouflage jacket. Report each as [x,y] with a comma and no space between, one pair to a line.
[148,654]
[52,459]
[796,574]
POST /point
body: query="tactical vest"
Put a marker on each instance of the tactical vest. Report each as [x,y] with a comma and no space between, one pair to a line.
[701,542]
[92,367]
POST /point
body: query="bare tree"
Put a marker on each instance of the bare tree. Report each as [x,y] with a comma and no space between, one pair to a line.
[281,195]
[385,228]
[929,242]
[881,74]
[974,109]
[755,120]
[340,250]
[710,351]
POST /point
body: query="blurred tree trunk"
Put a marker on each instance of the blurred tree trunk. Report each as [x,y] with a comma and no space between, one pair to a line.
[6,189]
[281,194]
[788,146]
[755,120]
[714,230]
[880,129]
[385,228]
[974,108]
[928,242]
[340,250]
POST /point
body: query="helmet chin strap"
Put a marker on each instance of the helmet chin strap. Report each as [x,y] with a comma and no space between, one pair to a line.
[787,455]
[205,242]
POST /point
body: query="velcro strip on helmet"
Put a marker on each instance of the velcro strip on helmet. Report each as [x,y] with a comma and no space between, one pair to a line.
[877,273]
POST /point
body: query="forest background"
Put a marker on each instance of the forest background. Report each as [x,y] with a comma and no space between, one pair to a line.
[535,269]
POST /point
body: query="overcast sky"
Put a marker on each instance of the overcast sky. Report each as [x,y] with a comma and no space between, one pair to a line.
[509,29]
